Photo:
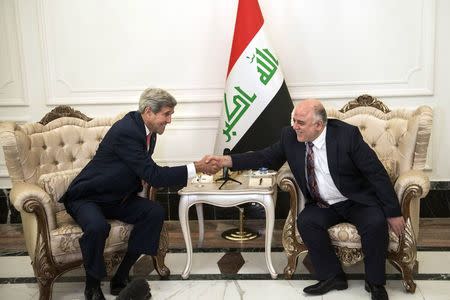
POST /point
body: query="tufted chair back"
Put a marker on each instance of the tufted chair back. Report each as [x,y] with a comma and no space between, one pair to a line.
[64,144]
[400,136]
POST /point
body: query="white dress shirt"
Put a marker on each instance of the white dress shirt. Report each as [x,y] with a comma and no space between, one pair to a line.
[190,166]
[327,189]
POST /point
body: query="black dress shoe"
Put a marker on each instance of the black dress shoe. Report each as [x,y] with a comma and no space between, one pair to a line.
[116,286]
[93,293]
[377,291]
[324,286]
[137,289]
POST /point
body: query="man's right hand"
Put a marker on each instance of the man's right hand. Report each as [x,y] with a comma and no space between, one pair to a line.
[207,167]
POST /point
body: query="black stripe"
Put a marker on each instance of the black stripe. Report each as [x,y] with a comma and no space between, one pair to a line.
[267,127]
[227,250]
[359,276]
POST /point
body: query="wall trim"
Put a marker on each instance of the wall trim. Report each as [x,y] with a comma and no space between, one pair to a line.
[21,71]
[404,86]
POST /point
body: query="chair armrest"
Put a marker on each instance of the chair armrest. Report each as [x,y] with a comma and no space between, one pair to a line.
[410,187]
[286,181]
[30,198]
[412,178]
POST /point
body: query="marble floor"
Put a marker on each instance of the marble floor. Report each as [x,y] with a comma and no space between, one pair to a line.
[251,282]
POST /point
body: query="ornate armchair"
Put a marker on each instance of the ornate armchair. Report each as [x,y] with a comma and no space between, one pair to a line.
[400,139]
[42,160]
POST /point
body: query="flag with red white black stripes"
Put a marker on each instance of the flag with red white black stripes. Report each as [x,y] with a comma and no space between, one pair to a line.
[256,101]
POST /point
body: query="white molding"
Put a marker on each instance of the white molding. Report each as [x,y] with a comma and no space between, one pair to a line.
[403,86]
[354,92]
[17,36]
[200,118]
[191,127]
[5,181]
[17,119]
[182,96]
[393,88]
[102,96]
[45,52]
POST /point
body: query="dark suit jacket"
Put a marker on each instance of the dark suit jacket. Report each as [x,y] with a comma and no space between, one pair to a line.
[355,168]
[119,164]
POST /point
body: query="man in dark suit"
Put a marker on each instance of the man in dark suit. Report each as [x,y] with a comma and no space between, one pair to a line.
[107,189]
[343,181]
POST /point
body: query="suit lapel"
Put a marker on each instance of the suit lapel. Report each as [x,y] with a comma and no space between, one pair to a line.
[300,159]
[332,155]
[141,126]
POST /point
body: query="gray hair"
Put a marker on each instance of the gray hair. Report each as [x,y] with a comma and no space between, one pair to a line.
[156,99]
[320,114]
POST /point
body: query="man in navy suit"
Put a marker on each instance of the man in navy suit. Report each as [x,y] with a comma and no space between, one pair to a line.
[343,181]
[107,189]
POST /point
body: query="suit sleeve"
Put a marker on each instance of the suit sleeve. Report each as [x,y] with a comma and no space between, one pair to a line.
[272,157]
[370,166]
[130,149]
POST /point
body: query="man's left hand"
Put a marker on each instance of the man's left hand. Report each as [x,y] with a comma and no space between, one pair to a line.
[397,224]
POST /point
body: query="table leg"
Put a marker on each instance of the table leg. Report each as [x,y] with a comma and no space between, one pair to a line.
[270,219]
[183,213]
[201,223]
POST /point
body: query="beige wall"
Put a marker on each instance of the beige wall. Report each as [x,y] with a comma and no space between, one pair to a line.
[97,56]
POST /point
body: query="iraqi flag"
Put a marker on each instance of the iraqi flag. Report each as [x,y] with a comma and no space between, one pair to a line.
[256,102]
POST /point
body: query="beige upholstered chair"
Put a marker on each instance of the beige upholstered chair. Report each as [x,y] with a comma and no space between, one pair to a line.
[42,160]
[400,139]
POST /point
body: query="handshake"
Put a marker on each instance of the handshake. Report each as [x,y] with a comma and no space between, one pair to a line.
[211,164]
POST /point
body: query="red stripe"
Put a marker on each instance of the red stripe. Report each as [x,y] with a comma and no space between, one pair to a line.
[248,22]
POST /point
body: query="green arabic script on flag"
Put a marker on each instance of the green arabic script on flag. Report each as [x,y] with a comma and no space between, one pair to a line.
[242,102]
[267,66]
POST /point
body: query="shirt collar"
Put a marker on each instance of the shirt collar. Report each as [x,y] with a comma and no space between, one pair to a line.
[147,131]
[319,142]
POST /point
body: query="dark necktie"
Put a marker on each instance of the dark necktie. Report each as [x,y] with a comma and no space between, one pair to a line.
[312,182]
[144,192]
[148,141]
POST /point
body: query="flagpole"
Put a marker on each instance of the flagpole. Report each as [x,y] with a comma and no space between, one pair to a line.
[242,233]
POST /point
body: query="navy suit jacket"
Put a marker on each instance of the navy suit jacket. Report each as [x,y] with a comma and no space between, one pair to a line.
[355,168]
[121,161]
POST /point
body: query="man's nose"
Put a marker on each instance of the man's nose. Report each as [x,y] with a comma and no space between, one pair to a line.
[169,119]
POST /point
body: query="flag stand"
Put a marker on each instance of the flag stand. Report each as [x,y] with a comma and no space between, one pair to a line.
[241,233]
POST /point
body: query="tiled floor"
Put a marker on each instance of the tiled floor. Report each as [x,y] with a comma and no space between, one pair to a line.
[253,281]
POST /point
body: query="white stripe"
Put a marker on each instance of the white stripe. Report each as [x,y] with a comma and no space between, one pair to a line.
[245,75]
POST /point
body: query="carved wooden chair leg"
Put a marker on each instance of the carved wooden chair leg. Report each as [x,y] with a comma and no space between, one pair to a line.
[407,274]
[158,260]
[292,248]
[45,287]
[291,265]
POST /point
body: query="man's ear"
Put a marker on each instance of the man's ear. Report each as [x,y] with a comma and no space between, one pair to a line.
[148,109]
[320,125]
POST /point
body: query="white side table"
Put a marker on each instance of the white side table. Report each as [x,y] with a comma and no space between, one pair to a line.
[231,194]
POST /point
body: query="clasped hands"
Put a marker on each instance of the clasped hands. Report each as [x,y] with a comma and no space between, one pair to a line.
[211,164]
